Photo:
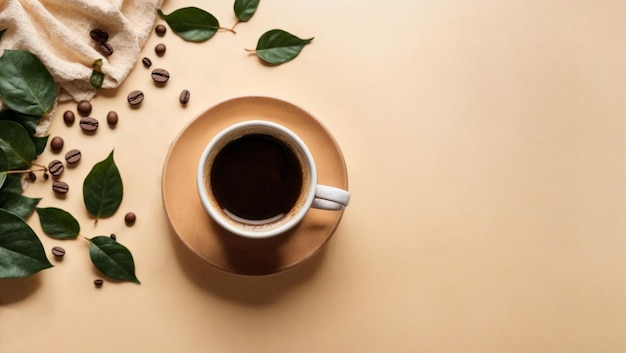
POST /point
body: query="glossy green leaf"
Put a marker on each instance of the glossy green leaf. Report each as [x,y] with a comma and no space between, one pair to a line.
[16,145]
[57,223]
[18,204]
[103,189]
[29,122]
[40,143]
[13,183]
[277,46]
[191,23]
[26,85]
[245,9]
[97,77]
[113,259]
[21,252]
[4,166]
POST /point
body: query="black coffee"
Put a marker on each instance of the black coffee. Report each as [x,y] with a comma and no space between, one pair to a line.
[256,177]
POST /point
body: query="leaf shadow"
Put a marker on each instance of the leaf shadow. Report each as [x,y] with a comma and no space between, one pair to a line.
[14,290]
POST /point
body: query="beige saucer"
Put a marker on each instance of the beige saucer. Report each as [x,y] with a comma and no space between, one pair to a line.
[208,240]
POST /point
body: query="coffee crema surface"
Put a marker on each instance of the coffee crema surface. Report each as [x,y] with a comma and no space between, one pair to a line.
[256,178]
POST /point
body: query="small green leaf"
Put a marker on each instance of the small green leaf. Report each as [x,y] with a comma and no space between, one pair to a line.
[40,143]
[57,223]
[103,189]
[16,145]
[277,46]
[18,204]
[26,85]
[191,23]
[245,9]
[97,77]
[21,252]
[113,259]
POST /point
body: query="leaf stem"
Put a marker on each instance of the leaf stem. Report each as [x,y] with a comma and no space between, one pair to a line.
[251,51]
[232,30]
[40,169]
[233,27]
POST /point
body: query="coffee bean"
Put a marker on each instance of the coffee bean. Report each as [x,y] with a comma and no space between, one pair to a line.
[56,143]
[112,118]
[69,117]
[113,236]
[160,30]
[184,97]
[106,49]
[159,49]
[88,124]
[135,97]
[99,35]
[45,175]
[160,75]
[32,177]
[98,283]
[130,218]
[146,62]
[58,251]
[56,167]
[60,187]
[73,156]
[84,108]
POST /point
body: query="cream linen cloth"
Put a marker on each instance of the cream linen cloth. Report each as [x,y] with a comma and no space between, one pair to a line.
[57,31]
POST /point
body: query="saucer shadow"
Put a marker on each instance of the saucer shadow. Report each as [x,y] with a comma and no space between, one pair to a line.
[14,290]
[258,278]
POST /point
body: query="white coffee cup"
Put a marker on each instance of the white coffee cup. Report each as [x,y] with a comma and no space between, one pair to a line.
[233,168]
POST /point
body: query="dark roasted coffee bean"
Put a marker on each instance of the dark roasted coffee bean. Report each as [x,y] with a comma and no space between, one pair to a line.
[112,118]
[32,177]
[184,97]
[160,30]
[88,124]
[106,49]
[130,218]
[160,75]
[84,108]
[159,49]
[69,117]
[135,97]
[56,167]
[58,251]
[46,175]
[146,62]
[113,236]
[60,187]
[56,143]
[99,35]
[73,156]
[98,283]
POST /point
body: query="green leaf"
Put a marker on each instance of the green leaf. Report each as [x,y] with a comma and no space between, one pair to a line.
[18,204]
[57,223]
[29,122]
[21,252]
[16,145]
[40,143]
[13,183]
[113,259]
[97,77]
[277,46]
[245,9]
[3,168]
[26,85]
[191,23]
[103,189]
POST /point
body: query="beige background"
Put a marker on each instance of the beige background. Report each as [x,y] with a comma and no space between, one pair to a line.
[486,156]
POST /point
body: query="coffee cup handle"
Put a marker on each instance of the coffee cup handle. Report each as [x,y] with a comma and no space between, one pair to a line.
[330,198]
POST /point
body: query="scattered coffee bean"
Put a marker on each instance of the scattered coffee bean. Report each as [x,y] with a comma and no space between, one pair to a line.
[45,175]
[135,97]
[146,62]
[99,35]
[56,167]
[84,108]
[113,236]
[159,49]
[112,118]
[69,117]
[130,218]
[184,97]
[58,251]
[73,156]
[160,30]
[98,283]
[56,143]
[32,177]
[160,75]
[88,124]
[60,187]
[106,49]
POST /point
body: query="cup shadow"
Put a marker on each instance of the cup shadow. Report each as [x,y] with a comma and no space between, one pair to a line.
[14,290]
